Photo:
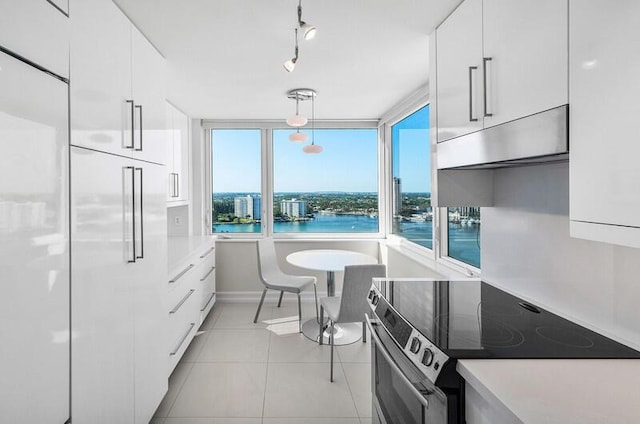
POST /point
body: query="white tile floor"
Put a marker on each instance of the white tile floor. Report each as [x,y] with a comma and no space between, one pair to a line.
[238,372]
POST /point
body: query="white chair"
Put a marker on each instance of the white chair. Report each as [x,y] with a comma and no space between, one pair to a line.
[352,304]
[273,278]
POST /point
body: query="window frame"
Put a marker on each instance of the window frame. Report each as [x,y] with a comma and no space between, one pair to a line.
[266,128]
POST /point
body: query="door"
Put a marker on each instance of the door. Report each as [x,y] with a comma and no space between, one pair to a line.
[459,71]
[525,58]
[103,200]
[34,245]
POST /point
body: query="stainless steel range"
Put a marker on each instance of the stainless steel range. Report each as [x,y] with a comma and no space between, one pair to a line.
[420,328]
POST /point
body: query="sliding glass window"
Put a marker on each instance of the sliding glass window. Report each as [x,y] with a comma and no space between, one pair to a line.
[236,181]
[335,191]
[411,185]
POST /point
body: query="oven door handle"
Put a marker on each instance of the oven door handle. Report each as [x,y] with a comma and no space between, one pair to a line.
[382,349]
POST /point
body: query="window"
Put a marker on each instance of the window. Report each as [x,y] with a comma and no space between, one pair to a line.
[411,186]
[463,235]
[236,181]
[335,191]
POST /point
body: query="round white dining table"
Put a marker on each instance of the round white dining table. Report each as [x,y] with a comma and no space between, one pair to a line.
[330,261]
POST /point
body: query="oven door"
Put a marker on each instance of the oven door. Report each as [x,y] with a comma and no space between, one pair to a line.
[401,393]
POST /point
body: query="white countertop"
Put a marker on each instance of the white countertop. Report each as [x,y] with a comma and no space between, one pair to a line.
[180,248]
[558,391]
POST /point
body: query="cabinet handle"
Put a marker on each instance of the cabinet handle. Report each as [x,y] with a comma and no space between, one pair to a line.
[484,72]
[207,252]
[141,217]
[184,271]
[208,273]
[471,69]
[132,126]
[177,185]
[133,211]
[139,107]
[193,324]
[206,305]
[174,191]
[184,299]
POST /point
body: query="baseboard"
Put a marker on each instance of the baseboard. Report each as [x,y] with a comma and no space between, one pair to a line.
[271,297]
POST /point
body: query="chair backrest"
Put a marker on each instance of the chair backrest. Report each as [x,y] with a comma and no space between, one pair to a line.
[356,285]
[268,268]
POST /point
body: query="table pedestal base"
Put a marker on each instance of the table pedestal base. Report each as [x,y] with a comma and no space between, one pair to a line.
[345,334]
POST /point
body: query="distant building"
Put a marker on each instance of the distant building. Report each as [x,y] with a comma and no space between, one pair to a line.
[397,196]
[257,208]
[293,208]
[243,206]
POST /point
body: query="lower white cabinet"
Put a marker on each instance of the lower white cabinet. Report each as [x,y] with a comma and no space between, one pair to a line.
[604,90]
[192,294]
[118,246]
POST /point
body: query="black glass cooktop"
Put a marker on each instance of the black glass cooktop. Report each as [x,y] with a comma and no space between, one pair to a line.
[472,319]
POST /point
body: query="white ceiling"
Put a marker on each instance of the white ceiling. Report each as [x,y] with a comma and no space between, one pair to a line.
[225,56]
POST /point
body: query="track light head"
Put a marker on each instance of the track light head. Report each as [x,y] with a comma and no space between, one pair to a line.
[290,64]
[309,31]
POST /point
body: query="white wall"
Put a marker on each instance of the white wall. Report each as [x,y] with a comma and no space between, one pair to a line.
[526,249]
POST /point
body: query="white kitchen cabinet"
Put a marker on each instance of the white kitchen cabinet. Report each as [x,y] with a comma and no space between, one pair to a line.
[148,93]
[500,60]
[459,72]
[178,151]
[36,30]
[34,245]
[191,293]
[117,94]
[604,92]
[118,303]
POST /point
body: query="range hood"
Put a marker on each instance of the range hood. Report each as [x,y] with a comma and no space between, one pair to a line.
[538,138]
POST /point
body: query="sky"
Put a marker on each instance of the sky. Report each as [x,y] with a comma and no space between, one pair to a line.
[348,162]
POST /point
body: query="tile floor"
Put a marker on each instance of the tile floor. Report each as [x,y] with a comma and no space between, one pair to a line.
[238,372]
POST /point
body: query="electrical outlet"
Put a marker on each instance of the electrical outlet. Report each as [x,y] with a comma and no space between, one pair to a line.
[177,220]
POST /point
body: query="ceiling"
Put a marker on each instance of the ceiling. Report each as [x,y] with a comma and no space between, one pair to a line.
[225,57]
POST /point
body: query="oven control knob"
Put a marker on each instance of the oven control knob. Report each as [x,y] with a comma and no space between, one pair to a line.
[427,357]
[415,345]
[375,299]
[371,293]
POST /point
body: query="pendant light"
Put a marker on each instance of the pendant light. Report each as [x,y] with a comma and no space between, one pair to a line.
[297,120]
[298,137]
[313,148]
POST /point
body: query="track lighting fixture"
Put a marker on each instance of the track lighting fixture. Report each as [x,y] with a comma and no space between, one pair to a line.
[290,64]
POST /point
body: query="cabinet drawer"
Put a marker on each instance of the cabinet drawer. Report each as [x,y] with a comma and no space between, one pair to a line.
[184,320]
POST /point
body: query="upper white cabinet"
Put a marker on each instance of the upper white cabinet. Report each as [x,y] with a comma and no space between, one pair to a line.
[117,94]
[38,31]
[499,60]
[604,93]
[178,155]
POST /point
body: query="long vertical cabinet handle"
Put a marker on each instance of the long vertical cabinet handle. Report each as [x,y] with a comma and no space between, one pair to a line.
[133,212]
[133,143]
[471,69]
[485,60]
[141,216]
[177,185]
[139,107]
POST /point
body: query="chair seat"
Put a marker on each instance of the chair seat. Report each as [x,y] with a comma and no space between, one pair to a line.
[331,306]
[291,283]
